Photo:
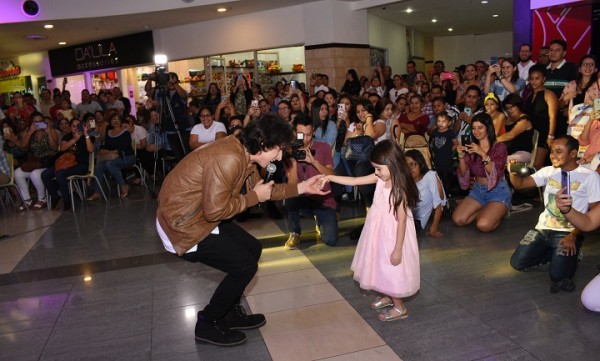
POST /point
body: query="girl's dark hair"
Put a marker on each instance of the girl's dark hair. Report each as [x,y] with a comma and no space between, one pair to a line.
[315,109]
[380,106]
[537,68]
[485,119]
[218,95]
[266,132]
[419,159]
[594,76]
[367,105]
[353,74]
[404,189]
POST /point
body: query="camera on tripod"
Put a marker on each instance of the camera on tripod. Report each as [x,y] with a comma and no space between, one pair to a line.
[161,76]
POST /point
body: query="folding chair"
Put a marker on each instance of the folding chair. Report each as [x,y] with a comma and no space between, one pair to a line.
[11,184]
[76,180]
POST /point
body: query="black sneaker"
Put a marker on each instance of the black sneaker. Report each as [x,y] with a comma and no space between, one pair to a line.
[554,288]
[237,319]
[567,285]
[217,333]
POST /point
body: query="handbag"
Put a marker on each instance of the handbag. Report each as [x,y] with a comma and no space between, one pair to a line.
[66,160]
[32,164]
[106,157]
[359,148]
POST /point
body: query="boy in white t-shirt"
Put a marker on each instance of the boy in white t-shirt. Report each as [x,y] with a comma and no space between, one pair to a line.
[554,239]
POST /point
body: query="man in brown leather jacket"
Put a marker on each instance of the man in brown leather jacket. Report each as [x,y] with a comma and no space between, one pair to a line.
[196,203]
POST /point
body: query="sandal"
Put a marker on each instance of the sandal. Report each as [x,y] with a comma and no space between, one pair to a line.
[387,315]
[25,205]
[124,190]
[381,302]
[41,203]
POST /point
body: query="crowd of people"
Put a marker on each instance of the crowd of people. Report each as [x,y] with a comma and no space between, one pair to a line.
[409,143]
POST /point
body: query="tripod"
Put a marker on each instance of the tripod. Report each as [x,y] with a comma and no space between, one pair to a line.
[164,106]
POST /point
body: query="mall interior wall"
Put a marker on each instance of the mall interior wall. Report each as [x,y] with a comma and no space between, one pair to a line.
[391,36]
[465,49]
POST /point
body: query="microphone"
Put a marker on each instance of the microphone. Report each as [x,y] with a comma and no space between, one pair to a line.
[271,169]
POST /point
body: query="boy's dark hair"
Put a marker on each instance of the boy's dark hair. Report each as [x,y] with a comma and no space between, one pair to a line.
[572,143]
[561,42]
[266,132]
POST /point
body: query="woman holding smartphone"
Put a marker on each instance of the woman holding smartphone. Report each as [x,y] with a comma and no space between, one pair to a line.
[41,142]
[485,160]
[507,80]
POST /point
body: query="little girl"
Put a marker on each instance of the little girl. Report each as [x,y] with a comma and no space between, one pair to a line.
[387,255]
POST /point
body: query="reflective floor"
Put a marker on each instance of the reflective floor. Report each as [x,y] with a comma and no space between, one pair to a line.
[96,285]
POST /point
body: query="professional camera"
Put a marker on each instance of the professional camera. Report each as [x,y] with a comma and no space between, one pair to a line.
[162,77]
[295,151]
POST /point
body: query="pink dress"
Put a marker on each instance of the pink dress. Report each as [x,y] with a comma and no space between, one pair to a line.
[371,264]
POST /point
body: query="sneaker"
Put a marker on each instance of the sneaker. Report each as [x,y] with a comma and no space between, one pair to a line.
[238,319]
[567,285]
[217,333]
[293,241]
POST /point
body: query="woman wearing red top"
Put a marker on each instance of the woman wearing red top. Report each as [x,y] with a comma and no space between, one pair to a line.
[485,160]
[415,121]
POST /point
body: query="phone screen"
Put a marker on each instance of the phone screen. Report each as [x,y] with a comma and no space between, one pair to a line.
[465,139]
[597,105]
[468,111]
[92,123]
[493,60]
[565,181]
[254,103]
[41,125]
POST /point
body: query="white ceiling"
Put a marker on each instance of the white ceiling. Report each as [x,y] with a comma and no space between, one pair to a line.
[85,21]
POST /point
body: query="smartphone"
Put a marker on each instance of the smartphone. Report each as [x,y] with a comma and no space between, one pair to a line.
[467,111]
[465,140]
[223,98]
[447,75]
[92,123]
[341,109]
[518,167]
[597,105]
[565,181]
[294,85]
[493,60]
[41,125]
[254,103]
[6,131]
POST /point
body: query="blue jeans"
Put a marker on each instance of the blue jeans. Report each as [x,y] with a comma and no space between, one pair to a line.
[542,246]
[114,168]
[326,217]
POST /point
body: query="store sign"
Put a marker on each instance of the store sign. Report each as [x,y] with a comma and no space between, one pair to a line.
[19,84]
[8,69]
[124,51]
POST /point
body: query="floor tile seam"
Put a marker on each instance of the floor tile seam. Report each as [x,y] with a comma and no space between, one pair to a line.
[343,299]
[54,324]
[289,288]
[357,351]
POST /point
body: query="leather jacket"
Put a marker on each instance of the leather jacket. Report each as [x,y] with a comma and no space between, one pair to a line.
[205,188]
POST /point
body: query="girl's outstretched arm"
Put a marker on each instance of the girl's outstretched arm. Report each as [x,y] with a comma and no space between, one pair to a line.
[396,256]
[350,181]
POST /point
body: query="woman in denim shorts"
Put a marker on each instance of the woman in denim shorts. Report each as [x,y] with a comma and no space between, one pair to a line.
[484,160]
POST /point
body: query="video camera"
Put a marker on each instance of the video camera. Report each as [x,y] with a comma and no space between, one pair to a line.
[161,76]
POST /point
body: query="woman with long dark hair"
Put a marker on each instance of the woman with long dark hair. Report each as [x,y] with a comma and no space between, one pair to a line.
[503,79]
[485,160]
[352,83]
[325,128]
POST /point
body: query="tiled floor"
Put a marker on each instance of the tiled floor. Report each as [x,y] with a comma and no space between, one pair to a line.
[140,303]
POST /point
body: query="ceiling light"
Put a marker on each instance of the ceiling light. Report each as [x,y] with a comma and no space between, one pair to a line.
[495,15]
[48,26]
[434,20]
[222,10]
[450,29]
[409,10]
[62,43]
[484,1]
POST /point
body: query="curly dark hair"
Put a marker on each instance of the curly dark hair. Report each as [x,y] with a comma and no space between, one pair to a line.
[265,133]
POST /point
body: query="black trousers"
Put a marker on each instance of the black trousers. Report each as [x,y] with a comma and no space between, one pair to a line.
[235,252]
